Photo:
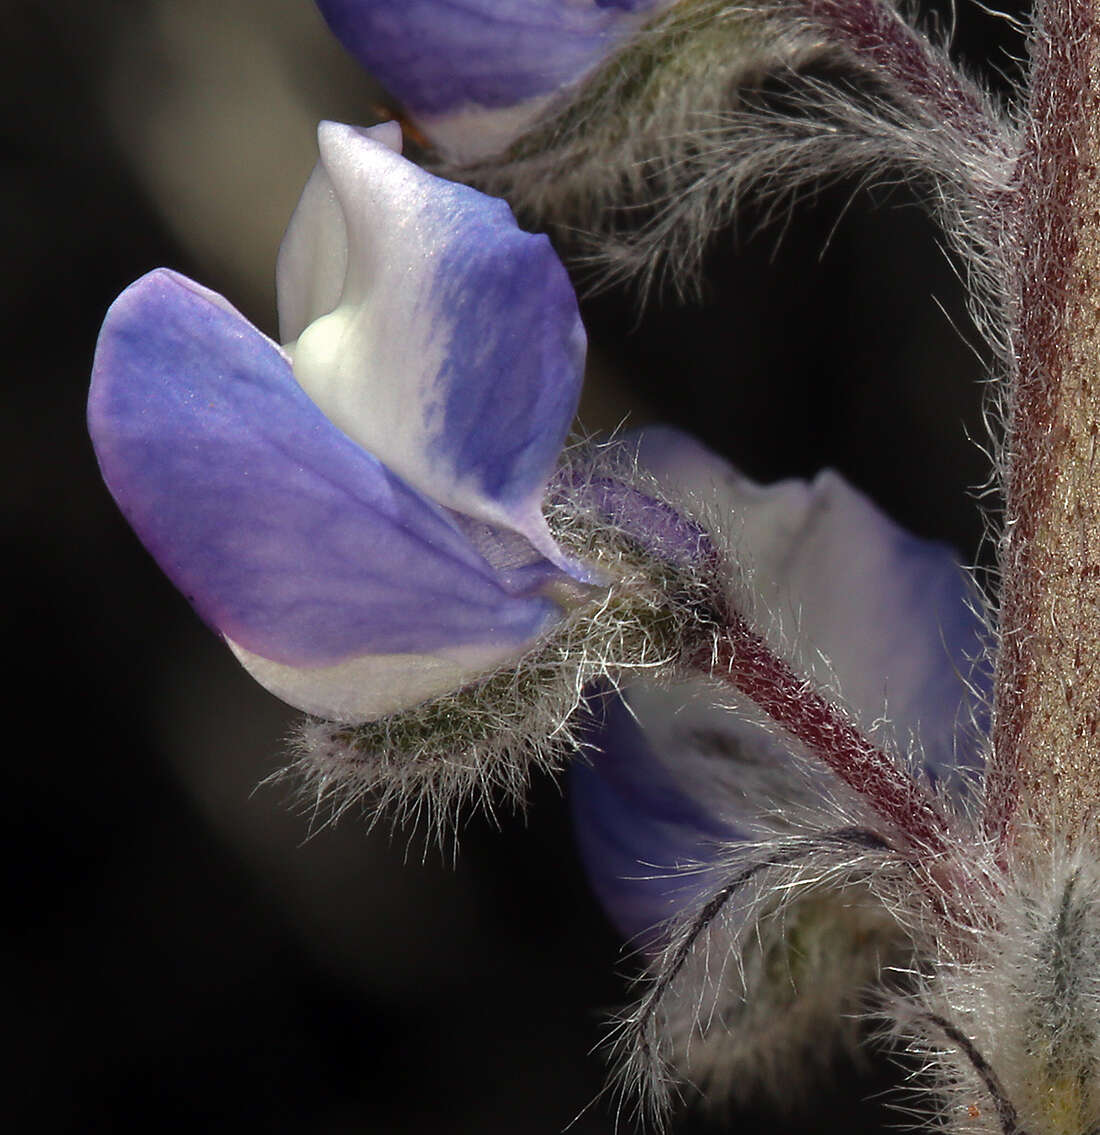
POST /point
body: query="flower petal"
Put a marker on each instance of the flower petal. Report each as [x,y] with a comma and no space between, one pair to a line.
[892,620]
[646,842]
[313,258]
[475,73]
[374,685]
[858,602]
[456,352]
[293,542]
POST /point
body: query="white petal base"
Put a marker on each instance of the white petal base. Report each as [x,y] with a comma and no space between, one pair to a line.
[374,685]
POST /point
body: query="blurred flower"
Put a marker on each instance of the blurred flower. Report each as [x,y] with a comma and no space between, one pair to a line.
[357,512]
[474,74]
[683,801]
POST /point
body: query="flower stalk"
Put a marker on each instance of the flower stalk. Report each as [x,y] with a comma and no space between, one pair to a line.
[876,35]
[745,660]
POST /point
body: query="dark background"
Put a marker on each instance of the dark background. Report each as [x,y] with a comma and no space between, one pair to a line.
[185,951]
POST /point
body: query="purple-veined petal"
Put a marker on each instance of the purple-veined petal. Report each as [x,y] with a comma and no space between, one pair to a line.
[297,545]
[476,73]
[456,351]
[863,606]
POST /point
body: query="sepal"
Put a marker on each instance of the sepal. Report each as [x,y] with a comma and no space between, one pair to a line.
[763,980]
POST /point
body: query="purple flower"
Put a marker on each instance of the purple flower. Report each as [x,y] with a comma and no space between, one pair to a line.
[474,74]
[357,512]
[864,609]
[760,886]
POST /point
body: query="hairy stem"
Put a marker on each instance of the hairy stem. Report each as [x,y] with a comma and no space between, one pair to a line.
[875,34]
[1045,768]
[745,660]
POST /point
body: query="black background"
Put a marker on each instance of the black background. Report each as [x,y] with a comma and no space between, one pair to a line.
[185,953]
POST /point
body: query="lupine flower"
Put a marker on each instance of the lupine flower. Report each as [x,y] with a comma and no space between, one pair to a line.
[572,109]
[362,512]
[358,511]
[474,74]
[682,792]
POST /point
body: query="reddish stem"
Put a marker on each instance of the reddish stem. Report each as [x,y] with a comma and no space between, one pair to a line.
[1045,768]
[875,34]
[745,660]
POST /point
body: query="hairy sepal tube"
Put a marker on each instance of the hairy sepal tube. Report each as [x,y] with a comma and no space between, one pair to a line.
[653,612]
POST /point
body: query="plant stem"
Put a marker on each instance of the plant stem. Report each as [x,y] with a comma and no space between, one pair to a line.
[877,36]
[1045,767]
[747,662]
